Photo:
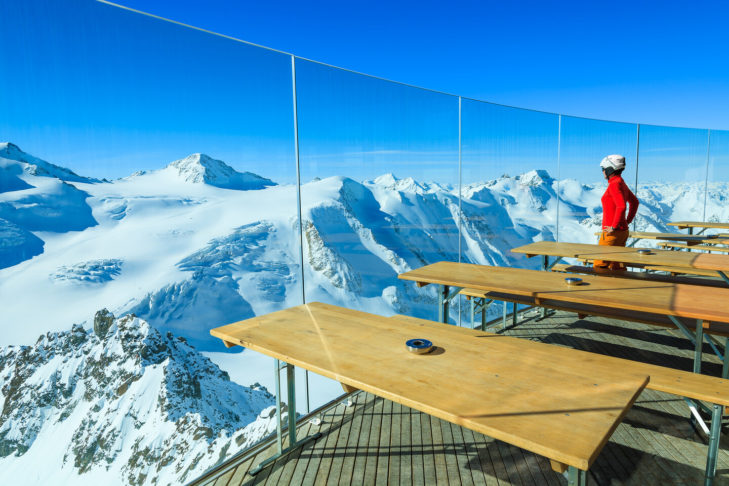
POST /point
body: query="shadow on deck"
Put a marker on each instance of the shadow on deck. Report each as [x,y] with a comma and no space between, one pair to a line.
[376,441]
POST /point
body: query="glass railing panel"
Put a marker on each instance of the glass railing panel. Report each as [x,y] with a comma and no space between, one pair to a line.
[584,143]
[671,178]
[379,188]
[717,187]
[509,187]
[145,169]
[509,159]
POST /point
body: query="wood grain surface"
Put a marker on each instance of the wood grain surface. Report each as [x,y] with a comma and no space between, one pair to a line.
[623,254]
[515,390]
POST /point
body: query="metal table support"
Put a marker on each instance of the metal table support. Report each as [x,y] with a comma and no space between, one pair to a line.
[576,477]
[445,294]
[291,395]
[710,472]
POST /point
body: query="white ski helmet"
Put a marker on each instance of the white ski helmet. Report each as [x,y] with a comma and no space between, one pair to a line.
[614,162]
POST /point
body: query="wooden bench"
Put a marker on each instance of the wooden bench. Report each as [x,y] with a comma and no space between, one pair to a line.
[679,270]
[680,237]
[655,277]
[584,310]
[721,249]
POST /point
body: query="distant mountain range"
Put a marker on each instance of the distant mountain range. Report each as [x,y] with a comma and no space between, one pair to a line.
[198,244]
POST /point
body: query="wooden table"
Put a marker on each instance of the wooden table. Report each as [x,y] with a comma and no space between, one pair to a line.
[698,224]
[627,255]
[546,399]
[706,305]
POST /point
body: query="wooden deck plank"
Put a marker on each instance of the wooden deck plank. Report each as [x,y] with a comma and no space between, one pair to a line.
[406,447]
[241,472]
[440,463]
[349,451]
[474,458]
[452,467]
[417,447]
[394,468]
[338,452]
[361,446]
[486,466]
[383,450]
[373,442]
[318,475]
[287,473]
[462,457]
[357,446]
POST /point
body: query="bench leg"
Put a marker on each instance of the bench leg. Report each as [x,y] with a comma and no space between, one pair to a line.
[698,346]
[503,318]
[713,445]
[725,367]
[576,477]
[514,315]
[473,312]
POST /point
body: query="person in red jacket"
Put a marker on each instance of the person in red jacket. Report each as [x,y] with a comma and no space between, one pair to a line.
[616,199]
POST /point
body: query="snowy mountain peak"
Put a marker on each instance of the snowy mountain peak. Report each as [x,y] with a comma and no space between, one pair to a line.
[127,400]
[203,169]
[535,178]
[408,184]
[11,155]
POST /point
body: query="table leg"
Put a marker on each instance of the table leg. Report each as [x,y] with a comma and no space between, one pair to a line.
[291,395]
[713,445]
[443,303]
[483,316]
[503,317]
[514,315]
[545,267]
[576,477]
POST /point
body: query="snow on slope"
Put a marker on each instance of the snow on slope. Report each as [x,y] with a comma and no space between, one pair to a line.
[122,404]
[202,169]
[13,161]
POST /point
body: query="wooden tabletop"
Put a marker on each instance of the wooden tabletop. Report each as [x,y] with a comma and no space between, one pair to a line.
[647,235]
[514,390]
[668,258]
[663,298]
[698,224]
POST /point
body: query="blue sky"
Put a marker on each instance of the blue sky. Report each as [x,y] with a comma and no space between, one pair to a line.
[106,92]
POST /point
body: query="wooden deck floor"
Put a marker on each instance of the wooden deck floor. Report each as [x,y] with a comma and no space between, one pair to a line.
[376,441]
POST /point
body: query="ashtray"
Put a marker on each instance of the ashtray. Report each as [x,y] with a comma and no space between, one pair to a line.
[573,281]
[419,346]
[644,252]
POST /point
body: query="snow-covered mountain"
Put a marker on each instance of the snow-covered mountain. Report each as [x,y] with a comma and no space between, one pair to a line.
[13,161]
[120,404]
[196,245]
[203,169]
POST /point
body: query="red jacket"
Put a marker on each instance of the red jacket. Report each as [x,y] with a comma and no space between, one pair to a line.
[614,204]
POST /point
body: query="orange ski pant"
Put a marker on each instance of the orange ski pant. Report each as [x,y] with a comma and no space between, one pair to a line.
[616,238]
